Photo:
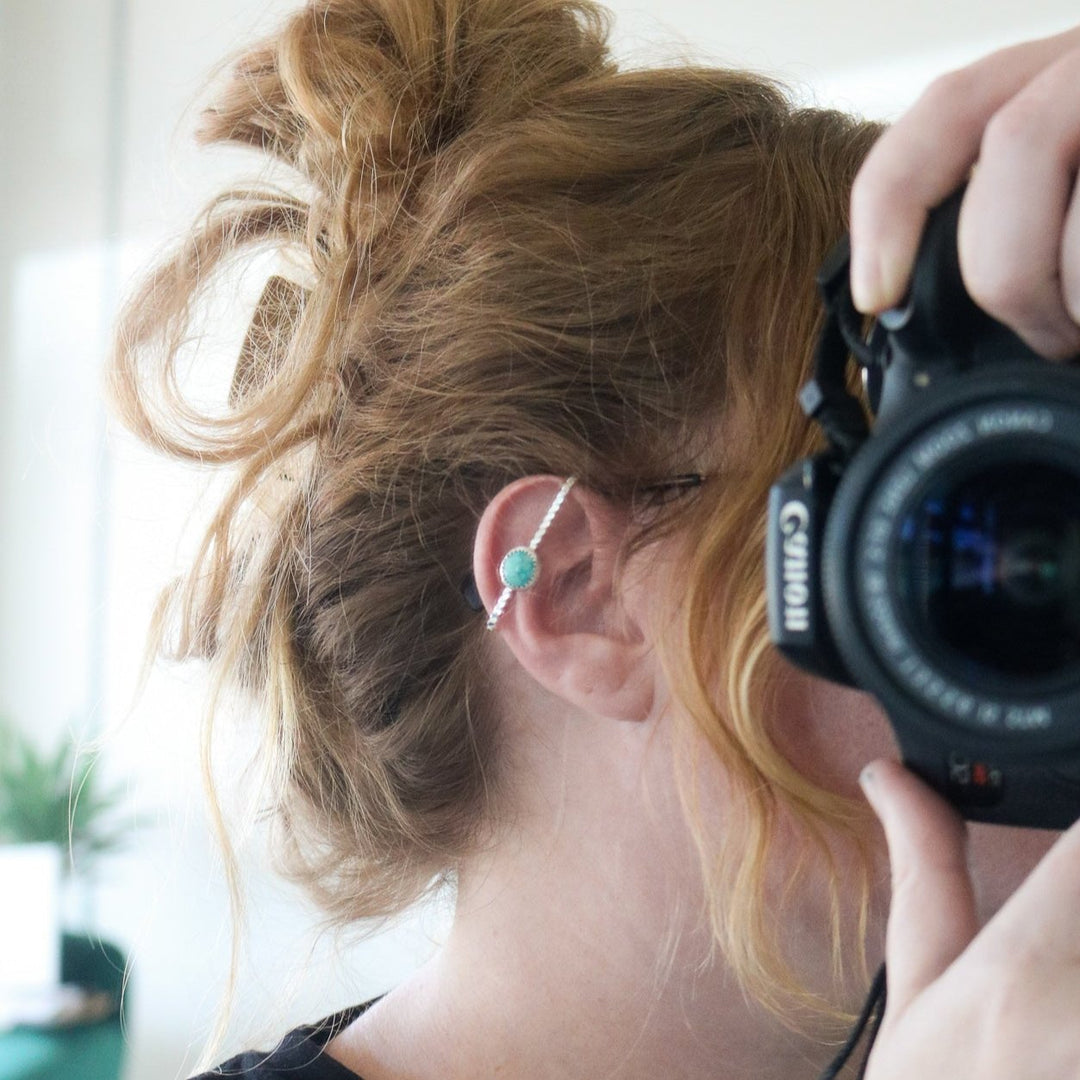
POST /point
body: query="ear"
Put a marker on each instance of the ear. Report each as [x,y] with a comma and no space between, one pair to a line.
[571,630]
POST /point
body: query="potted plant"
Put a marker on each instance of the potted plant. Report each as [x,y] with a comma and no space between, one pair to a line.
[53,815]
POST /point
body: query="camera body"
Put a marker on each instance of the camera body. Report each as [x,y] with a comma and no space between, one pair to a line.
[934,559]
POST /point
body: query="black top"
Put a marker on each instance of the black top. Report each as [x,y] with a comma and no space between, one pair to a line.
[299,1056]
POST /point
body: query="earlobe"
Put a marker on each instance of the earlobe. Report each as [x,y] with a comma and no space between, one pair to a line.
[570,628]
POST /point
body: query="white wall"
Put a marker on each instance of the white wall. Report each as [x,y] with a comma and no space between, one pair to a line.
[94,99]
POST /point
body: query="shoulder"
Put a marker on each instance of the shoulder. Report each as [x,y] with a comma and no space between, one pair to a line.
[301,1054]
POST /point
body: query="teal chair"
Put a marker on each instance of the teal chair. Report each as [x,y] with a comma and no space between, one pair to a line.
[83,1052]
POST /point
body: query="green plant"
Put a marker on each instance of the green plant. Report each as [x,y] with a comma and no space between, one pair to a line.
[54,796]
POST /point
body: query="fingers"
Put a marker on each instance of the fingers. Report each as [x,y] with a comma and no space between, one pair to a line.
[1070,257]
[1039,921]
[891,197]
[1017,113]
[1012,240]
[933,917]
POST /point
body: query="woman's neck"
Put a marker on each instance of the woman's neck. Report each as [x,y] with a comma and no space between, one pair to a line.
[580,946]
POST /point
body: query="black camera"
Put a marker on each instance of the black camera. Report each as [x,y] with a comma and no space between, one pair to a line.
[934,560]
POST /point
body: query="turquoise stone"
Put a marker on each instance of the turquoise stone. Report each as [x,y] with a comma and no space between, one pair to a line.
[520,568]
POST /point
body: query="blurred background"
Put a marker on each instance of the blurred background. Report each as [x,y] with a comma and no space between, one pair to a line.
[98,172]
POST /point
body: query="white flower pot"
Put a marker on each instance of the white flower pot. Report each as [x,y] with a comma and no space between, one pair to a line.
[30,877]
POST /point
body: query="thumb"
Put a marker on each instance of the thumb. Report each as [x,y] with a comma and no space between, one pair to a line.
[932,918]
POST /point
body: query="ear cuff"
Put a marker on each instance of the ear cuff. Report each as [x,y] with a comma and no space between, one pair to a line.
[520,566]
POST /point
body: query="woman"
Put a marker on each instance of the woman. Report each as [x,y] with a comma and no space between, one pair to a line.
[501,430]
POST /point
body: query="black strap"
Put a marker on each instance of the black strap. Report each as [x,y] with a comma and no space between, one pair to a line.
[869,1021]
[825,398]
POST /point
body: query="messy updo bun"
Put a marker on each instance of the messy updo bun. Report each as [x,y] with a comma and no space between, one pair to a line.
[510,258]
[362,98]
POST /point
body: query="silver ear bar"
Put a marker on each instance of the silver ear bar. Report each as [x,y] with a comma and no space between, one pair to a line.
[508,588]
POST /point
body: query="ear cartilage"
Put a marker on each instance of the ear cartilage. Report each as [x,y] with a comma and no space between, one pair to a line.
[520,566]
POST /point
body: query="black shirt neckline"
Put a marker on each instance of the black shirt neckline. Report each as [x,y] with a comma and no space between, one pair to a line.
[301,1054]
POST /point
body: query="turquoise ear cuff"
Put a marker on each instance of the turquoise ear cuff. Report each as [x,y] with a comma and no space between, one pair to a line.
[520,566]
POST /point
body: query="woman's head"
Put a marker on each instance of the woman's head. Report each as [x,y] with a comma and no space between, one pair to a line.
[513,259]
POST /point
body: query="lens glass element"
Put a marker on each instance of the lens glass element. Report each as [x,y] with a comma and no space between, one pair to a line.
[989,566]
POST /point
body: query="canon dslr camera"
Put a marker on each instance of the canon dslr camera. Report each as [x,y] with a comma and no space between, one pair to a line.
[935,560]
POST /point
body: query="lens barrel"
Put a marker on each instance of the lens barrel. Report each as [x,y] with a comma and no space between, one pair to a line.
[951,558]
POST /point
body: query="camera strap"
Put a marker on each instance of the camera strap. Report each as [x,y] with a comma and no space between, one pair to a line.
[826,398]
[868,1023]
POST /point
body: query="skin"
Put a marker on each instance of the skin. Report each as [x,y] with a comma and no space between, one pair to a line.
[972,995]
[578,947]
[1015,115]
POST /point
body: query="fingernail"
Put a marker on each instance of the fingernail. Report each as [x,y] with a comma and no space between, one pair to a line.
[868,783]
[865,281]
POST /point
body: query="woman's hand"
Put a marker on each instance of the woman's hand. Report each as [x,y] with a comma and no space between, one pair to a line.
[1000,1003]
[1016,115]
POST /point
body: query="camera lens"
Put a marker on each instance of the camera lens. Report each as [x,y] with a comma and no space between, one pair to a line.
[989,567]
